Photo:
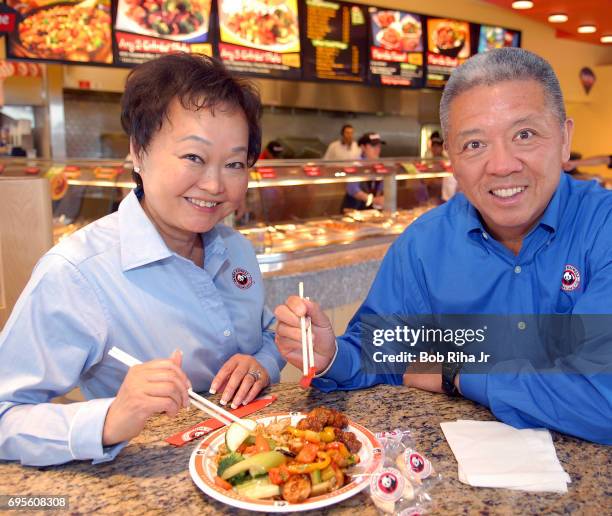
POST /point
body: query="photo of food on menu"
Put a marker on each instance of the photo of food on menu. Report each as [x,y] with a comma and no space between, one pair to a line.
[496,37]
[265,24]
[448,45]
[62,31]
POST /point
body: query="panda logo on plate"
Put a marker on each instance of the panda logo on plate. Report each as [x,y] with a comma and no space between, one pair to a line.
[571,278]
[242,278]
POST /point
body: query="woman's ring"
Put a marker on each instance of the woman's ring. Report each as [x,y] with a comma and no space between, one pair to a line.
[255,374]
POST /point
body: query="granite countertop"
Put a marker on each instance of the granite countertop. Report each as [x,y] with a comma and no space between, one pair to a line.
[150,476]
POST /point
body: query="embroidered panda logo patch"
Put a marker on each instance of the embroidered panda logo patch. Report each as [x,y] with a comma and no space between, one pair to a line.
[242,278]
[571,278]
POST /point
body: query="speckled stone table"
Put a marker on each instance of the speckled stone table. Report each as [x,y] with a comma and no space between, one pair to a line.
[152,477]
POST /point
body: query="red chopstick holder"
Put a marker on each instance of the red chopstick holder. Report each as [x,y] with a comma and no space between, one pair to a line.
[205,427]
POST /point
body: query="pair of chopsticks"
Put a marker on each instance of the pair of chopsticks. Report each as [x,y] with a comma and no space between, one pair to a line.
[308,367]
[195,399]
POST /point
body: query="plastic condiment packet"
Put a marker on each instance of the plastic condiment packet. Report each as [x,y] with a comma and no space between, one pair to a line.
[205,427]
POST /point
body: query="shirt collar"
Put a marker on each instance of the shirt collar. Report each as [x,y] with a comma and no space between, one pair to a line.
[141,243]
[550,217]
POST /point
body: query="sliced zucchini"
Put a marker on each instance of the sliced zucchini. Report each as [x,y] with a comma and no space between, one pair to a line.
[261,491]
[262,462]
[236,434]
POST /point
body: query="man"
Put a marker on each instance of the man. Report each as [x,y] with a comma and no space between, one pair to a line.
[521,238]
[366,194]
[345,148]
[449,184]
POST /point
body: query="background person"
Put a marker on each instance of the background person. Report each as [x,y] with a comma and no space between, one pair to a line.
[159,274]
[366,194]
[525,238]
[345,148]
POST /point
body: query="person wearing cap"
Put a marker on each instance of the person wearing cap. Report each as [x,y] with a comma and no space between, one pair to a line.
[274,150]
[366,194]
[436,146]
[523,242]
[344,148]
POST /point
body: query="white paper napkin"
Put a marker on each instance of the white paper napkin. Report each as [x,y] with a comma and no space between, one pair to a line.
[493,454]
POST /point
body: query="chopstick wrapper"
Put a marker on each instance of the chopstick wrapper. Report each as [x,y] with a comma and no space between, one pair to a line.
[493,454]
[205,427]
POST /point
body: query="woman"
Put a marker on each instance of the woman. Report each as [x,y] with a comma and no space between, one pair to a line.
[161,274]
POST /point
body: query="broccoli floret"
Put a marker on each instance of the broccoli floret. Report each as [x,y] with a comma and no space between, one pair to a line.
[228,461]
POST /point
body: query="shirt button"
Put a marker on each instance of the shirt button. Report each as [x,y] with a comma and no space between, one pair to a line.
[521,325]
[518,269]
[227,333]
[485,236]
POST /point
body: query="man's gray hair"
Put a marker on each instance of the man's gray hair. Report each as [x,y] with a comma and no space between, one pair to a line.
[501,65]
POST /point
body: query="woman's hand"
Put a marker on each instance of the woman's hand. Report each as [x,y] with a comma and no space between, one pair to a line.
[148,389]
[242,377]
[289,334]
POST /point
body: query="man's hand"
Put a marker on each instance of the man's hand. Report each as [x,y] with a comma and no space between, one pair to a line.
[242,377]
[148,389]
[289,335]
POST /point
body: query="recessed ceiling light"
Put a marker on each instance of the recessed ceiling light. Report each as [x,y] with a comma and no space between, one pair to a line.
[522,4]
[606,39]
[587,29]
[557,18]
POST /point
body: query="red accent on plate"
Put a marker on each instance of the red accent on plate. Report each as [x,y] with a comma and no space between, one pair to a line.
[350,170]
[380,168]
[32,170]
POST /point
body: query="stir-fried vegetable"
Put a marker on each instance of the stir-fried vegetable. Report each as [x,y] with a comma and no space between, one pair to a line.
[280,460]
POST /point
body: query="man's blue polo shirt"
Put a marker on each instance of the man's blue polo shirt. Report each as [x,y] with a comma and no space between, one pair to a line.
[447,263]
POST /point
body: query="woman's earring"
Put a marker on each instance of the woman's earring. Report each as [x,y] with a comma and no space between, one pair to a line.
[137,170]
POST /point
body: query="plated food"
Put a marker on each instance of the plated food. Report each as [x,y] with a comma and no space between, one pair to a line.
[288,462]
[450,38]
[67,32]
[398,34]
[259,25]
[169,17]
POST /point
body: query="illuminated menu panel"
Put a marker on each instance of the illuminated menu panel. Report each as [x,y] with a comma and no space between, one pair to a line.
[335,43]
[396,48]
[260,37]
[56,31]
[448,45]
[146,29]
[497,37]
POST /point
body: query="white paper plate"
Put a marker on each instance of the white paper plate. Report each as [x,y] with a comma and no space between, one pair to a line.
[203,470]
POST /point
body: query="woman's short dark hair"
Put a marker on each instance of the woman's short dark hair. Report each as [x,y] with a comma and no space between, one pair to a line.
[197,82]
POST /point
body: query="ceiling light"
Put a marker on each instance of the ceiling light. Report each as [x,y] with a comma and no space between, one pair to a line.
[606,39]
[557,18]
[522,4]
[587,29]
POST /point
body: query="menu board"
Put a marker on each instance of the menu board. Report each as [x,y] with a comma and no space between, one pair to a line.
[396,48]
[448,45]
[336,41]
[61,31]
[497,37]
[146,29]
[260,37]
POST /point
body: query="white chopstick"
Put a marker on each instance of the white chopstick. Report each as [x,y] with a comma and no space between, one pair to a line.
[195,399]
[304,336]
